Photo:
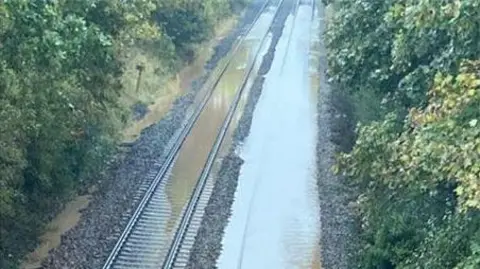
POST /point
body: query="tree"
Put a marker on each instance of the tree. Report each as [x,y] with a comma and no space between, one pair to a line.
[417,167]
[61,67]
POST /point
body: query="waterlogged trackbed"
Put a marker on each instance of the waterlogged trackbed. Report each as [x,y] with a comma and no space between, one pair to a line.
[275,214]
[148,238]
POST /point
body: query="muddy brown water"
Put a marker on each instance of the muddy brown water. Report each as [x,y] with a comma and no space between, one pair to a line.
[195,150]
[63,222]
[178,85]
[196,147]
[71,214]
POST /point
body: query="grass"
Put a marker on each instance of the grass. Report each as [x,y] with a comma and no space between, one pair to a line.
[158,86]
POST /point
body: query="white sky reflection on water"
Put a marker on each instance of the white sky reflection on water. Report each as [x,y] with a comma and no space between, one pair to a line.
[275,216]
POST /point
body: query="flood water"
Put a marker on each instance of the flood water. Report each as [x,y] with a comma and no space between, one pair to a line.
[194,152]
[275,216]
[176,86]
[63,222]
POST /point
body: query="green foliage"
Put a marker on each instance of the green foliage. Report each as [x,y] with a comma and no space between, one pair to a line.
[395,47]
[191,22]
[417,168]
[60,88]
[185,24]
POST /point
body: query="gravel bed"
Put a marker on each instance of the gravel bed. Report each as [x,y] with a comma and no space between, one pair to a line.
[335,134]
[208,242]
[89,243]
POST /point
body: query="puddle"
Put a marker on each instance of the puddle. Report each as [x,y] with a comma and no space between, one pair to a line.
[63,222]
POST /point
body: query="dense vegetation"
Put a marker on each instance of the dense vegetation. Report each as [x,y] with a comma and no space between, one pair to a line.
[60,83]
[412,71]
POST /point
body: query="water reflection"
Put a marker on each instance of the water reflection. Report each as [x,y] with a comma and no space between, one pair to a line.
[194,152]
[275,221]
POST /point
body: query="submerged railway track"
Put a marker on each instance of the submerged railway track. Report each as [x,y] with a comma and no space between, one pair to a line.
[143,243]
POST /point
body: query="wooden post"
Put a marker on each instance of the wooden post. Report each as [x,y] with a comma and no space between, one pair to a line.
[140,68]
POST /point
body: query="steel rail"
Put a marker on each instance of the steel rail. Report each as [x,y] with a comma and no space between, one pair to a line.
[192,204]
[172,152]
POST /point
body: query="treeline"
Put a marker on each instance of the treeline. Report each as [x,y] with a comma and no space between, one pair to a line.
[412,71]
[60,83]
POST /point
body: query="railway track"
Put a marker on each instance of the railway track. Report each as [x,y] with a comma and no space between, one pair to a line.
[179,251]
[142,244]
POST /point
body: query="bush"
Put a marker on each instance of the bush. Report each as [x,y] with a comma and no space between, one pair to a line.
[60,88]
[417,168]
